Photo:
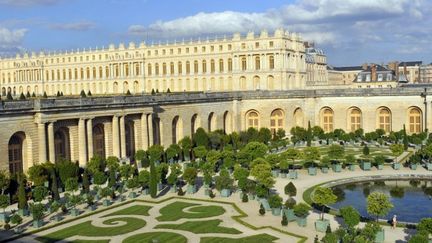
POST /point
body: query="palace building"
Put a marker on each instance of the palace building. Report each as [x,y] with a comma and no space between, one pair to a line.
[274,81]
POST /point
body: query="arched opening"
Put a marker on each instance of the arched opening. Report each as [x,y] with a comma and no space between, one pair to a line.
[195,123]
[256,83]
[130,139]
[125,87]
[115,88]
[136,87]
[16,152]
[211,122]
[227,124]
[327,119]
[354,119]
[243,83]
[270,83]
[177,128]
[276,121]
[298,117]
[61,143]
[252,119]
[99,140]
[414,120]
[384,119]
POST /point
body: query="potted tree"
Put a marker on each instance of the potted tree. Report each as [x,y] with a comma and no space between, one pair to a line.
[74,201]
[378,205]
[37,212]
[105,193]
[224,183]
[99,179]
[140,157]
[71,186]
[311,168]
[190,175]
[325,161]
[22,197]
[350,161]
[175,172]
[186,145]
[289,209]
[4,199]
[366,164]
[350,216]
[17,220]
[4,203]
[397,150]
[132,184]
[379,161]
[290,189]
[90,202]
[301,211]
[323,196]
[144,180]
[55,206]
[284,165]
[275,202]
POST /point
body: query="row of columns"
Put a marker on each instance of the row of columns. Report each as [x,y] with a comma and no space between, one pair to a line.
[85,138]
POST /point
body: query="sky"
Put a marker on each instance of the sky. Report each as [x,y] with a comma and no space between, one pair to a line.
[350,32]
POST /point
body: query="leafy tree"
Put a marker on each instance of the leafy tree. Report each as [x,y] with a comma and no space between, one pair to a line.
[264,135]
[311,153]
[22,97]
[350,215]
[397,149]
[162,171]
[215,139]
[254,150]
[189,175]
[33,95]
[140,155]
[425,225]
[201,138]
[223,181]
[99,178]
[336,151]
[240,172]
[153,92]
[380,159]
[4,202]
[9,96]
[262,173]
[175,172]
[350,159]
[96,164]
[39,193]
[89,93]
[85,182]
[323,196]
[155,152]
[128,93]
[378,204]
[228,158]
[290,189]
[112,178]
[16,219]
[66,170]
[302,210]
[126,171]
[133,183]
[54,184]
[71,185]
[112,163]
[290,203]
[280,134]
[245,198]
[153,180]
[37,174]
[144,178]
[172,151]
[309,135]
[186,145]
[28,95]
[275,201]
[22,197]
[200,152]
[4,181]
[284,165]
[365,150]
[37,211]
[83,94]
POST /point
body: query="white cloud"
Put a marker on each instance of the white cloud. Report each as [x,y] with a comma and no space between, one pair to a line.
[10,40]
[76,26]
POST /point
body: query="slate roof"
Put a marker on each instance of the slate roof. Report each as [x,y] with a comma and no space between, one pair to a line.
[411,63]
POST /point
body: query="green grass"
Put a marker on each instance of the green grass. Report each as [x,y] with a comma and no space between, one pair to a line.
[141,210]
[201,227]
[91,241]
[174,211]
[87,229]
[165,237]
[261,238]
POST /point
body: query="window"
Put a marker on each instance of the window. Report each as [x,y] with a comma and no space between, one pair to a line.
[221,65]
[252,119]
[164,69]
[359,78]
[195,66]
[179,50]
[276,121]
[415,121]
[187,49]
[172,68]
[355,119]
[229,65]
[157,68]
[271,62]
[243,45]
[187,67]
[220,47]
[368,77]
[256,44]
[380,77]
[137,69]
[149,69]
[257,63]
[243,63]
[384,119]
[271,43]
[212,66]
[212,48]
[195,49]
[179,67]
[389,77]
[203,49]
[327,120]
[204,66]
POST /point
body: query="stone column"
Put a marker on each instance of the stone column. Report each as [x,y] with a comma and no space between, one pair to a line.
[150,129]
[90,138]
[82,150]
[42,143]
[116,137]
[51,147]
[122,137]
[144,132]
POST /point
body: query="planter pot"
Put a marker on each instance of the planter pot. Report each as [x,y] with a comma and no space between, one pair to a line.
[312,171]
[225,192]
[4,217]
[145,191]
[96,197]
[57,218]
[37,223]
[351,167]
[18,230]
[283,175]
[337,168]
[132,195]
[324,170]
[429,166]
[396,166]
[122,198]
[106,202]
[207,192]
[275,173]
[379,237]
[74,212]
[413,166]
[293,174]
[366,166]
[276,211]
[173,189]
[251,196]
[93,207]
[160,186]
[23,212]
[191,189]
[240,194]
[321,225]
[205,185]
[289,213]
[380,167]
[302,222]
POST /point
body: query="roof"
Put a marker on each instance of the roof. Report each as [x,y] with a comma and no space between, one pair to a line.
[379,68]
[410,63]
[350,68]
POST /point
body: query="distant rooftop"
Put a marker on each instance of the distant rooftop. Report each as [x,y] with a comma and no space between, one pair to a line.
[411,63]
[350,68]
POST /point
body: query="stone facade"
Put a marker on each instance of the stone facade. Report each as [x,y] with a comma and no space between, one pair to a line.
[38,130]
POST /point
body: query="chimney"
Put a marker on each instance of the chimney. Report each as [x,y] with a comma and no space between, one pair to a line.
[405,69]
[373,73]
[364,66]
[394,66]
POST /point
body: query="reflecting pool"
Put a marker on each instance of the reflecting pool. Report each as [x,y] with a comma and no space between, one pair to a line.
[412,199]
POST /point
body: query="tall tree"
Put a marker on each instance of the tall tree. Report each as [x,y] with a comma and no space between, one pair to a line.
[153,180]
[323,196]
[378,204]
[309,135]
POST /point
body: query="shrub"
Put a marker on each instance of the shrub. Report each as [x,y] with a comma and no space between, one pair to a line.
[245,198]
[290,203]
[284,221]
[275,201]
[83,94]
[290,189]
[302,210]
[366,150]
[350,215]
[261,210]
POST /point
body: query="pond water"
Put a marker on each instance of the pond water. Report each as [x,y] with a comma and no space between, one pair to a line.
[412,200]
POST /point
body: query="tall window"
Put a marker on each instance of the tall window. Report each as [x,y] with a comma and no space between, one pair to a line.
[221,65]
[271,62]
[327,120]
[137,69]
[157,68]
[100,72]
[229,65]
[117,71]
[355,119]
[212,66]
[276,121]
[107,72]
[384,119]
[252,119]
[126,66]
[243,63]
[257,63]
[204,66]
[187,67]
[15,149]
[195,66]
[414,121]
[149,69]
[172,68]
[180,68]
[164,69]
[94,73]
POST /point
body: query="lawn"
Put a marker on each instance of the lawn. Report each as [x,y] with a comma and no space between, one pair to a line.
[201,227]
[132,210]
[165,237]
[175,211]
[87,229]
[261,238]
[91,241]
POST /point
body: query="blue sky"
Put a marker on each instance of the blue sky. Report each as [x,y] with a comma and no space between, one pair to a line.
[350,32]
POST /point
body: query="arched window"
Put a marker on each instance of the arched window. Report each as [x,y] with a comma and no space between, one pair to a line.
[126,67]
[257,63]
[61,144]
[415,121]
[276,121]
[195,66]
[137,69]
[130,139]
[204,66]
[327,120]
[212,66]
[149,69]
[252,119]
[164,69]
[100,72]
[94,73]
[15,149]
[384,119]
[99,140]
[229,65]
[107,72]
[355,119]
[172,68]
[243,63]
[221,65]
[117,72]
[271,62]
[187,67]
[180,68]
[157,68]
[88,73]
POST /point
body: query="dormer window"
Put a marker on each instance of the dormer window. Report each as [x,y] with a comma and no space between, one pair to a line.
[368,77]
[359,78]
[389,77]
[380,77]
